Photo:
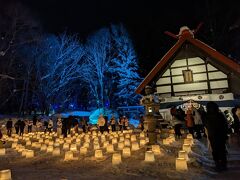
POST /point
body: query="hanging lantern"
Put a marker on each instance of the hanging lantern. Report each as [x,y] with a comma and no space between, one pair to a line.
[126,152]
[116,159]
[5,174]
[181,164]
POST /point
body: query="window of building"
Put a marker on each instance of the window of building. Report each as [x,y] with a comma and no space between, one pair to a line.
[188,76]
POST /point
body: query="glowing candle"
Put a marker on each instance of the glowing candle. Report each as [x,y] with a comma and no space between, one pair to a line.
[65,146]
[50,149]
[126,152]
[127,142]
[116,158]
[83,150]
[68,155]
[43,147]
[135,146]
[149,156]
[73,147]
[56,151]
[110,148]
[29,154]
[5,174]
[181,164]
[133,138]
[142,142]
[120,145]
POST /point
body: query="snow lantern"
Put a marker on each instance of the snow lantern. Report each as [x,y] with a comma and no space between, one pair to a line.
[114,141]
[133,138]
[183,154]
[190,136]
[127,142]
[142,142]
[96,146]
[105,143]
[98,153]
[68,155]
[181,164]
[149,156]
[186,147]
[5,174]
[2,151]
[28,143]
[41,140]
[73,147]
[120,145]
[126,152]
[188,141]
[116,159]
[24,152]
[56,151]
[83,150]
[121,138]
[127,136]
[166,141]
[78,140]
[43,147]
[29,153]
[38,145]
[65,146]
[135,146]
[156,149]
[68,140]
[14,144]
[86,144]
[56,144]
[110,148]
[50,149]
[142,135]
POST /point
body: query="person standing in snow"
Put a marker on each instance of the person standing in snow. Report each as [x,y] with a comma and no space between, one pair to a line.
[9,126]
[30,124]
[50,125]
[22,126]
[216,124]
[101,123]
[113,123]
[59,126]
[197,122]
[177,124]
[17,126]
[120,123]
[125,123]
[189,121]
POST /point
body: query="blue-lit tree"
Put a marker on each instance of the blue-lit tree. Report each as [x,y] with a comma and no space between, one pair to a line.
[95,65]
[124,66]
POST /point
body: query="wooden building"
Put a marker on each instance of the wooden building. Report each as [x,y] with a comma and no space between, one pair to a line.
[192,70]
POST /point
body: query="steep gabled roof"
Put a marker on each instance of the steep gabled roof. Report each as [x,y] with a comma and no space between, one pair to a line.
[187,36]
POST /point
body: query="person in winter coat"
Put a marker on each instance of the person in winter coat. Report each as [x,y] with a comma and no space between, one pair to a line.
[217,134]
[197,122]
[9,126]
[84,124]
[29,125]
[64,127]
[230,121]
[190,121]
[176,123]
[113,123]
[120,123]
[125,123]
[17,126]
[236,123]
[101,123]
[50,125]
[59,126]
[22,126]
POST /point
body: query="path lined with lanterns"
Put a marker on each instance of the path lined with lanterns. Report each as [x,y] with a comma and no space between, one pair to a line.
[115,150]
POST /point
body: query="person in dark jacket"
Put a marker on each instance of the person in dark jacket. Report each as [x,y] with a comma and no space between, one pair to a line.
[22,126]
[9,126]
[216,124]
[236,123]
[17,126]
[64,127]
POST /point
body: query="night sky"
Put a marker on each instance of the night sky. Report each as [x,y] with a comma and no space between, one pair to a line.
[145,20]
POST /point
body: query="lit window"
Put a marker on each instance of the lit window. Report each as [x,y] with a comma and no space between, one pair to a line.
[188,76]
